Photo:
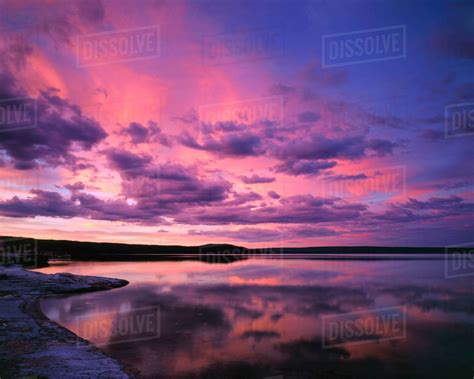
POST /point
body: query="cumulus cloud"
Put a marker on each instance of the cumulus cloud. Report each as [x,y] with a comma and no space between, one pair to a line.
[300,151]
[61,130]
[139,134]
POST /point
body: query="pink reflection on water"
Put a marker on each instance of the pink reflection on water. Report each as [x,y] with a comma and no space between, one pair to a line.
[261,317]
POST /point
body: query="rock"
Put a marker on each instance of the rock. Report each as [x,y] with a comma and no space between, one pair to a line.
[33,345]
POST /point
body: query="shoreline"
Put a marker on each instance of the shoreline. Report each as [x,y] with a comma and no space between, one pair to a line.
[33,345]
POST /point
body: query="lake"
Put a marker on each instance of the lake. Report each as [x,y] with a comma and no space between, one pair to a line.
[277,318]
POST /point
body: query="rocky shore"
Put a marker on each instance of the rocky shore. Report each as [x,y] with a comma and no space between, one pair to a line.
[33,346]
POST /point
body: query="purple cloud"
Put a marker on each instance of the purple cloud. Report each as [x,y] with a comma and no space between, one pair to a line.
[294,209]
[273,195]
[347,177]
[230,144]
[304,167]
[433,208]
[250,234]
[321,147]
[140,134]
[61,129]
[256,179]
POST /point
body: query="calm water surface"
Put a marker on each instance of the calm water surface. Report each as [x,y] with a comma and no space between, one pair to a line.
[264,318]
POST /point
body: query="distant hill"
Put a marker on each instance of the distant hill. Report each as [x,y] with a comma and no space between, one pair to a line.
[210,252]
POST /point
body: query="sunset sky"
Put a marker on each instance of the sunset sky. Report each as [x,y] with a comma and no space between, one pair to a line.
[230,126]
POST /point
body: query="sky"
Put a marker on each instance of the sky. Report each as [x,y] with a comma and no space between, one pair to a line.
[258,123]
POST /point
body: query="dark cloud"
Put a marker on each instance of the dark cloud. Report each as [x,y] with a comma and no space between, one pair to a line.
[433,208]
[273,195]
[346,177]
[259,335]
[126,161]
[231,144]
[140,134]
[78,186]
[137,132]
[320,147]
[164,186]
[44,203]
[269,235]
[242,198]
[304,167]
[449,203]
[156,190]
[300,150]
[294,209]
[61,130]
[256,179]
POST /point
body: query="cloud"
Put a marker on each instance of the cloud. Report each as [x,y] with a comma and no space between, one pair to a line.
[321,147]
[259,335]
[78,186]
[304,167]
[251,234]
[137,132]
[44,203]
[300,150]
[61,130]
[256,179]
[166,184]
[346,177]
[140,134]
[447,203]
[229,144]
[273,195]
[126,161]
[433,208]
[294,209]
